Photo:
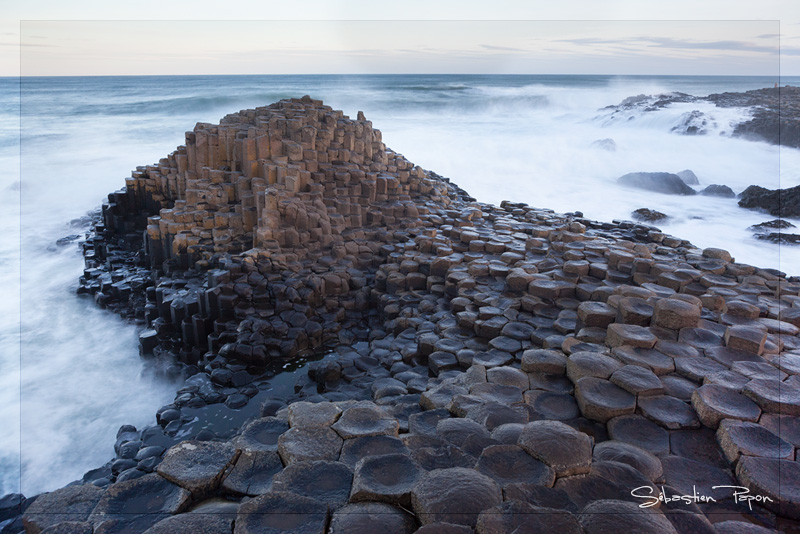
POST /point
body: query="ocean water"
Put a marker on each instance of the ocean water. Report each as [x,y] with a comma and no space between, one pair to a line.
[70,373]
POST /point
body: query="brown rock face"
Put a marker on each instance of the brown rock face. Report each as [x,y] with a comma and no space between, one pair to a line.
[292,176]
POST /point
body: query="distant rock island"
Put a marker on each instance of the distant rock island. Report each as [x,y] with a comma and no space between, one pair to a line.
[471,368]
[775,112]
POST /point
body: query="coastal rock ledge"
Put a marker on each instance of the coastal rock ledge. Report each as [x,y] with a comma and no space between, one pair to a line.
[490,369]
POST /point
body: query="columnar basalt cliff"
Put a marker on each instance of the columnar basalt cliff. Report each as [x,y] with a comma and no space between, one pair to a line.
[490,369]
[295,179]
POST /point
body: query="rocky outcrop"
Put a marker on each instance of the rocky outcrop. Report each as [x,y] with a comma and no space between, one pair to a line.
[487,363]
[777,202]
[648,215]
[774,113]
[659,182]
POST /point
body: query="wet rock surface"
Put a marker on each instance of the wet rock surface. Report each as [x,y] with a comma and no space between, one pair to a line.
[454,366]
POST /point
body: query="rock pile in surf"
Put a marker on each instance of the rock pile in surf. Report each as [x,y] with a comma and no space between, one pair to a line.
[498,368]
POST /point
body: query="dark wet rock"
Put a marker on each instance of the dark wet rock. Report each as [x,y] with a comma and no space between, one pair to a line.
[309,444]
[718,191]
[522,517]
[619,335]
[697,368]
[433,453]
[606,480]
[659,182]
[508,464]
[697,444]
[566,450]
[739,527]
[387,478]
[773,396]
[738,438]
[508,433]
[668,412]
[714,403]
[637,380]
[281,513]
[440,396]
[544,361]
[198,466]
[443,528]
[303,414]
[541,496]
[371,518]
[359,448]
[262,434]
[494,414]
[689,522]
[590,364]
[767,227]
[70,527]
[639,431]
[552,406]
[497,393]
[601,400]
[620,516]
[776,202]
[785,426]
[360,421]
[72,503]
[138,504]
[457,431]
[648,215]
[658,362]
[455,495]
[253,473]
[425,422]
[773,478]
[685,475]
[200,523]
[327,482]
[619,451]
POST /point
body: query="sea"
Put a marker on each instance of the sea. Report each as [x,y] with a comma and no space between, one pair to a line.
[70,373]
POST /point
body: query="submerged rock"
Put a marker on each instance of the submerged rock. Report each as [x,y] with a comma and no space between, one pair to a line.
[715,190]
[659,182]
[688,177]
[648,215]
[605,144]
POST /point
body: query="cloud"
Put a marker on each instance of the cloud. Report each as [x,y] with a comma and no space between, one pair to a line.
[677,44]
[685,44]
[502,48]
[29,45]
[768,36]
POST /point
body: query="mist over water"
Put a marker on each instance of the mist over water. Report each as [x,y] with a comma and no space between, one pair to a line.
[522,138]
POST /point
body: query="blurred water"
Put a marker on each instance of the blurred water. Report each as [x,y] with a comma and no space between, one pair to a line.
[70,373]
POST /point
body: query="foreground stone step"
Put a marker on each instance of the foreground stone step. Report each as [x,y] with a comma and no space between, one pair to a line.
[198,466]
[566,450]
[282,512]
[454,495]
[72,503]
[371,517]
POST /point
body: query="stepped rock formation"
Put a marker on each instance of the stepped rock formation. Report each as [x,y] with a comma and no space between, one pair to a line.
[294,177]
[492,369]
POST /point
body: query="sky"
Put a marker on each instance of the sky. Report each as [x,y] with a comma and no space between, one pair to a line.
[82,37]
